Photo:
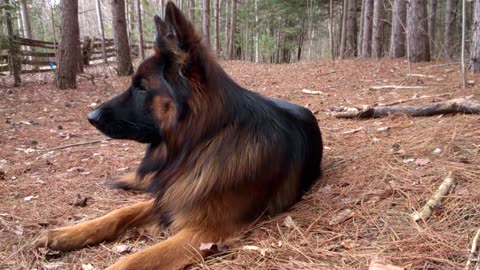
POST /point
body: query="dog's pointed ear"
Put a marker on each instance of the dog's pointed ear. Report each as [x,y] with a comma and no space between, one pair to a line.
[162,31]
[184,31]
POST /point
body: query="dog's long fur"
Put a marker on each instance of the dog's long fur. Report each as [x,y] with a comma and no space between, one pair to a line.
[218,156]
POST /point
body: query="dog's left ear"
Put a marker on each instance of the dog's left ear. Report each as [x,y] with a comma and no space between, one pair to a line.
[183,30]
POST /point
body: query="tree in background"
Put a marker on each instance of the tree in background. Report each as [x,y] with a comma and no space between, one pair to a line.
[216,26]
[432,24]
[206,21]
[69,48]
[141,50]
[399,23]
[367,28]
[232,30]
[351,30]
[475,47]
[12,46]
[450,16]
[101,30]
[417,29]
[377,32]
[120,37]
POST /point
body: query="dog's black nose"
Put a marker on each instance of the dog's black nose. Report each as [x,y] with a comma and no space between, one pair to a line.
[94,117]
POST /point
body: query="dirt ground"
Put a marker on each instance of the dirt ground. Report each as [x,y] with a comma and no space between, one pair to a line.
[377,172]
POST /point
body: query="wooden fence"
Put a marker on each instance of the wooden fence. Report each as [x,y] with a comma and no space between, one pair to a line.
[40,56]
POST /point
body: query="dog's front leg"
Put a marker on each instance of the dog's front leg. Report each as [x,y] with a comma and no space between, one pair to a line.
[97,230]
[179,251]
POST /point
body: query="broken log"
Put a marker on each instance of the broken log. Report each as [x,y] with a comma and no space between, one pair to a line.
[459,105]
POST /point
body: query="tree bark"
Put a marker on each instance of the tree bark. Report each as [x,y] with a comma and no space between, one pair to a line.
[360,31]
[343,37]
[216,26]
[124,61]
[191,10]
[26,19]
[233,29]
[367,29]
[475,47]
[15,65]
[399,24]
[417,28]
[141,50]
[206,21]
[351,35]
[101,30]
[69,48]
[377,38]
[330,29]
[256,40]
[450,15]
[459,105]
[432,25]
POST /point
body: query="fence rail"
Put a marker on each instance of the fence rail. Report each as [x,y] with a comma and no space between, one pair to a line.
[40,56]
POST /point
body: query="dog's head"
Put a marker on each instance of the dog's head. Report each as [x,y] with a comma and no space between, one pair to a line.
[157,98]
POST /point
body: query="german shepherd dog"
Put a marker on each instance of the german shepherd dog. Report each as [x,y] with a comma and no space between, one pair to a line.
[218,156]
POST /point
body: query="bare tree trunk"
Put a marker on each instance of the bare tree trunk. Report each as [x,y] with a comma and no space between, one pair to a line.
[464,15]
[69,49]
[233,29]
[141,50]
[377,39]
[130,16]
[161,6]
[367,29]
[475,47]
[191,10]
[432,25]
[216,15]
[101,30]
[360,32]
[450,15]
[399,24]
[124,60]
[330,29]
[206,21]
[351,35]
[417,29]
[343,36]
[15,65]
[256,40]
[25,19]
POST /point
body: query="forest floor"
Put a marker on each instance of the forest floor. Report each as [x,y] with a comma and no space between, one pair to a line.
[377,172]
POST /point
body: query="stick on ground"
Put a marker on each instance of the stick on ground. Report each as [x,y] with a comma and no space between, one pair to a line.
[443,190]
[459,105]
[473,253]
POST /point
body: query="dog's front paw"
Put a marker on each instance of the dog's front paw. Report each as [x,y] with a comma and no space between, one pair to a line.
[64,239]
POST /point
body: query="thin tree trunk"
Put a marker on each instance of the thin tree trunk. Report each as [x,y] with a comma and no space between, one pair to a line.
[475,47]
[256,40]
[191,10]
[464,14]
[367,29]
[206,21]
[233,29]
[101,30]
[161,6]
[450,15]
[417,29]
[432,25]
[343,36]
[141,50]
[377,35]
[360,32]
[124,60]
[216,24]
[69,49]
[399,24]
[15,65]
[25,19]
[330,29]
[351,35]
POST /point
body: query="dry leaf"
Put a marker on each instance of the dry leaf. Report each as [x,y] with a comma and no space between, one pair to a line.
[288,222]
[122,249]
[209,247]
[262,251]
[382,264]
[342,216]
[422,162]
[88,267]
[53,265]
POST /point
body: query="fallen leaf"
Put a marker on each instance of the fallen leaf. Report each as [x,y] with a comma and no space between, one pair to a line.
[29,198]
[88,267]
[408,160]
[263,251]
[18,230]
[349,243]
[122,249]
[342,216]
[53,265]
[288,222]
[422,162]
[382,264]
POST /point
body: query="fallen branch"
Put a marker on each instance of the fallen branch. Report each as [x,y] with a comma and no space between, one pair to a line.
[473,253]
[312,92]
[443,190]
[460,105]
[394,87]
[75,144]
[413,99]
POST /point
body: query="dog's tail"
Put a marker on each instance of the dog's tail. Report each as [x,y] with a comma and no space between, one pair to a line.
[187,247]
[128,181]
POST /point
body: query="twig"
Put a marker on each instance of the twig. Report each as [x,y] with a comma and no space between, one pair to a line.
[427,210]
[473,251]
[312,92]
[412,99]
[420,75]
[75,144]
[394,87]
[353,131]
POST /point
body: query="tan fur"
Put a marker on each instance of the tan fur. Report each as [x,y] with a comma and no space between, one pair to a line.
[105,228]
